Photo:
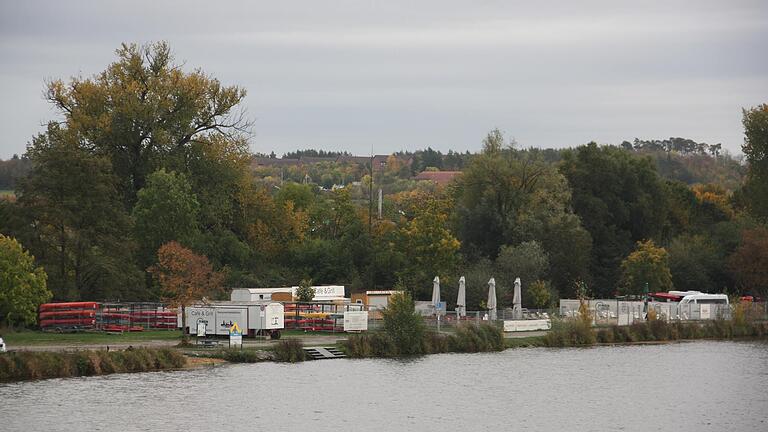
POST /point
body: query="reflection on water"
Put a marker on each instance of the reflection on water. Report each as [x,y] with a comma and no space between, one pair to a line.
[688,386]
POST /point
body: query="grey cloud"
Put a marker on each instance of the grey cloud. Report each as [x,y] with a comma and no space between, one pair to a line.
[404,75]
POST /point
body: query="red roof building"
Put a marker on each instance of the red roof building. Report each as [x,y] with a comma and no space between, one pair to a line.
[440,177]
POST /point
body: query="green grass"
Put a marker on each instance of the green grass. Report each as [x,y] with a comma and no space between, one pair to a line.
[15,339]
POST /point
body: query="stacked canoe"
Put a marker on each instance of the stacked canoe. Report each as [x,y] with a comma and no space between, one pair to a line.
[311,318]
[72,315]
[112,317]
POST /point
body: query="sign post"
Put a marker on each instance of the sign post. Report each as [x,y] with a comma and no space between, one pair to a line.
[201,324]
[235,336]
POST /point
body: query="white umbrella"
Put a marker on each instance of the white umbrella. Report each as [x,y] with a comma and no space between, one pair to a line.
[492,298]
[461,302]
[436,292]
[517,301]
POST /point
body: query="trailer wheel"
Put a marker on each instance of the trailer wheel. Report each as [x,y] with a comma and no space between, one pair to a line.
[274,334]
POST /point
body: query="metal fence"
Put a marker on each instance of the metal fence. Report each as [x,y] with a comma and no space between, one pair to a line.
[319,317]
[604,311]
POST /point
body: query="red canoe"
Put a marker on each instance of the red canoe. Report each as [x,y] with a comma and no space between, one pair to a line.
[70,305]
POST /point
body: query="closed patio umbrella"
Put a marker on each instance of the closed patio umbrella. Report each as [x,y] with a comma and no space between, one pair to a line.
[461,301]
[492,298]
[436,292]
[517,301]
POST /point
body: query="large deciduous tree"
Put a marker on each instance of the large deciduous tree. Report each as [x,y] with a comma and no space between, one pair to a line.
[144,112]
[184,277]
[755,148]
[528,261]
[22,284]
[749,262]
[429,247]
[166,211]
[80,226]
[507,196]
[620,199]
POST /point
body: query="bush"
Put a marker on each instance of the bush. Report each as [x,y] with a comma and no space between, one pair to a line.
[373,344]
[482,338]
[39,365]
[605,335]
[435,343]
[290,351]
[403,325]
[564,333]
[240,355]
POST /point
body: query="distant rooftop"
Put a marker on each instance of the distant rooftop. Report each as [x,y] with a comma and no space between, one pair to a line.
[440,177]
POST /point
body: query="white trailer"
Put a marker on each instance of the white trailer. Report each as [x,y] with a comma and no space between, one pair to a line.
[255,318]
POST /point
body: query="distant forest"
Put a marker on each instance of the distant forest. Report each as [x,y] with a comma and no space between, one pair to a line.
[143,155]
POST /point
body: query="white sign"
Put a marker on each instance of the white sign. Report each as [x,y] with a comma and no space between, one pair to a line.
[330,291]
[526,325]
[274,316]
[705,311]
[235,337]
[235,340]
[201,328]
[355,320]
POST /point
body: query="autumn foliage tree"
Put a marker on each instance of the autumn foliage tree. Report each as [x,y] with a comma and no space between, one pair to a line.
[647,264]
[184,277]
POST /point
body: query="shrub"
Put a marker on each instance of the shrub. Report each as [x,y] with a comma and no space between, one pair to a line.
[240,355]
[373,344]
[403,325]
[39,365]
[622,334]
[640,332]
[305,293]
[605,335]
[290,351]
[480,338]
[435,343]
[658,329]
[565,333]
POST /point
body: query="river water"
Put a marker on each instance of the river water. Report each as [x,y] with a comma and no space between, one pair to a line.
[696,386]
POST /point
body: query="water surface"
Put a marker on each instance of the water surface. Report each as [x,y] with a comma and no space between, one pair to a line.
[717,386]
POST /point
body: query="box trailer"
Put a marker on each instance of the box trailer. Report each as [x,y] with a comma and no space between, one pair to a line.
[257,318]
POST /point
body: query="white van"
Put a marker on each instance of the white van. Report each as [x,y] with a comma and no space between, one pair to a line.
[701,298]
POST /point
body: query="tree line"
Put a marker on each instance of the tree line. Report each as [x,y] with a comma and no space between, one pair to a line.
[145,154]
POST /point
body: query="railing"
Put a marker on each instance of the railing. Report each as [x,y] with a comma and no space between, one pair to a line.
[628,312]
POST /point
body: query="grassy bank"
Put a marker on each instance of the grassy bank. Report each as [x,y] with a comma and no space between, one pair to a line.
[19,366]
[467,338]
[29,337]
[577,333]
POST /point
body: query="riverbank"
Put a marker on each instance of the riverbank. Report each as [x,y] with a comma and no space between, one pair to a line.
[32,365]
[28,365]
[571,333]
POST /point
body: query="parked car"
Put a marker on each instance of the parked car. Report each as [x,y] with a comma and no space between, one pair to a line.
[2,345]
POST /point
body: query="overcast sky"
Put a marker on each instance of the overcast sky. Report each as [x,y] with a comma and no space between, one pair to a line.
[352,75]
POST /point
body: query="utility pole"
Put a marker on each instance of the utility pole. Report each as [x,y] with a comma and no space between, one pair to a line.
[370,198]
